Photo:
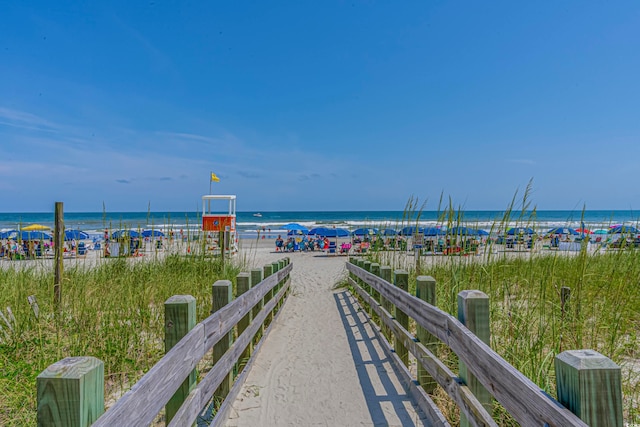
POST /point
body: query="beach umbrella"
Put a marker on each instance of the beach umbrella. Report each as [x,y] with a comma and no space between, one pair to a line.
[152,233]
[432,231]
[623,229]
[35,227]
[329,232]
[365,231]
[520,230]
[482,232]
[563,230]
[294,226]
[7,234]
[462,231]
[33,235]
[75,235]
[586,231]
[410,231]
[296,233]
[600,232]
[389,232]
[125,233]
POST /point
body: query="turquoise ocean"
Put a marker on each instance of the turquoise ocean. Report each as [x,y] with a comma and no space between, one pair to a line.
[250,224]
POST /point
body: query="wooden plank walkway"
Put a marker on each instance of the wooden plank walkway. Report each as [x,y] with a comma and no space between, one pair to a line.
[322,364]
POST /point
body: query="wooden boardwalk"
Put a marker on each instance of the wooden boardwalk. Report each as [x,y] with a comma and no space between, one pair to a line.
[322,364]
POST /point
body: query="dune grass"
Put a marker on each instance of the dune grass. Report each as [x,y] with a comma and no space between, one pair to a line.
[113,312]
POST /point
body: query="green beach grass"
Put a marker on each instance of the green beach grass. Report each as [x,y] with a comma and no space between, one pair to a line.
[113,312]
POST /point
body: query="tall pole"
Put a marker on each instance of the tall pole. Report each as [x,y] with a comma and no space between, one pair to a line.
[58,242]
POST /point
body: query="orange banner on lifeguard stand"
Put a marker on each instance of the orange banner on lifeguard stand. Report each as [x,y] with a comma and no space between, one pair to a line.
[218,223]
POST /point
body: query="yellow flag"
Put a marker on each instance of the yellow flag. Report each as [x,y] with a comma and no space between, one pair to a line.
[214,177]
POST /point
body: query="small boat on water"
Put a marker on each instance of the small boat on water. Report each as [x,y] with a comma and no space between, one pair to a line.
[258,214]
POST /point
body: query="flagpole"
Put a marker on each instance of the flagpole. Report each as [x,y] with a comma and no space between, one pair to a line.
[210,180]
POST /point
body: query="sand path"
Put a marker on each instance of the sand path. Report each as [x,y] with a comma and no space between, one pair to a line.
[321,364]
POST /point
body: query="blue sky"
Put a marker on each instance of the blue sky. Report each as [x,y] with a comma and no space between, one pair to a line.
[311,105]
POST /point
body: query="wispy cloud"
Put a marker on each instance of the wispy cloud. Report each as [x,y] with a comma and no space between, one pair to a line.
[124,181]
[24,120]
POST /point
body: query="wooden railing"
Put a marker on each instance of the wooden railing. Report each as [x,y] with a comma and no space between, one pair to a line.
[588,384]
[70,392]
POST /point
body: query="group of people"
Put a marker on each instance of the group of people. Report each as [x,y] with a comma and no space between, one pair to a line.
[304,244]
[30,249]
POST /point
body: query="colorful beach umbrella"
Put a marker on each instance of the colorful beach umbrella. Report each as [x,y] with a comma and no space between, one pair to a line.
[623,229]
[7,234]
[35,227]
[585,231]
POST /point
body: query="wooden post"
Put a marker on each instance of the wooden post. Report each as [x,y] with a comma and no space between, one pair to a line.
[243,284]
[401,280]
[426,291]
[268,271]
[222,295]
[385,274]
[256,277]
[473,312]
[589,385]
[71,392]
[58,253]
[565,295]
[179,319]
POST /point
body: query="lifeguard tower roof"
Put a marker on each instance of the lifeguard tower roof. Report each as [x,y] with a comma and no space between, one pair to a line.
[218,215]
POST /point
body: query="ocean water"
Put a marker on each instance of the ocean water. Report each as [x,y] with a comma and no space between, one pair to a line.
[250,225]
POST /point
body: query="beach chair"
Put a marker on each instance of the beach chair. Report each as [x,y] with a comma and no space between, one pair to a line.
[345,248]
[332,247]
[82,249]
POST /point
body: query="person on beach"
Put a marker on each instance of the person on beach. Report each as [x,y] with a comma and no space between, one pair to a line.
[279,244]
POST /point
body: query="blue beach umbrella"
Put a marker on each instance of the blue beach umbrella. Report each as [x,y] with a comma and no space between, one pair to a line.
[152,233]
[125,233]
[520,230]
[75,235]
[433,231]
[563,230]
[33,235]
[294,226]
[328,232]
[623,229]
[365,231]
[389,232]
[462,231]
[7,234]
[410,231]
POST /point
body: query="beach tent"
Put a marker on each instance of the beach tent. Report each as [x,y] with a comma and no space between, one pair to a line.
[152,233]
[75,235]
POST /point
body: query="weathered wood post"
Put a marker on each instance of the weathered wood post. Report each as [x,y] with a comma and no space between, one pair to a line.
[589,385]
[473,312]
[401,280]
[71,392]
[367,266]
[243,284]
[222,295]
[256,277]
[426,291]
[268,271]
[58,254]
[179,319]
[565,295]
[385,274]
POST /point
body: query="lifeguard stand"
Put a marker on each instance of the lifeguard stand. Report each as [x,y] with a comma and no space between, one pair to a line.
[219,215]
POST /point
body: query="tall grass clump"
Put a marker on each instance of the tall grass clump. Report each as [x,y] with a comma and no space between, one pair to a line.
[114,312]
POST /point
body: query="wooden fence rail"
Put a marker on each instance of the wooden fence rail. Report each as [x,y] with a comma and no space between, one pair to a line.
[588,384]
[70,392]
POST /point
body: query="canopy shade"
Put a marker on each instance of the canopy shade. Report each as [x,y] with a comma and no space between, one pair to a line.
[329,232]
[125,233]
[75,235]
[520,230]
[152,233]
[365,231]
[563,230]
[33,235]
